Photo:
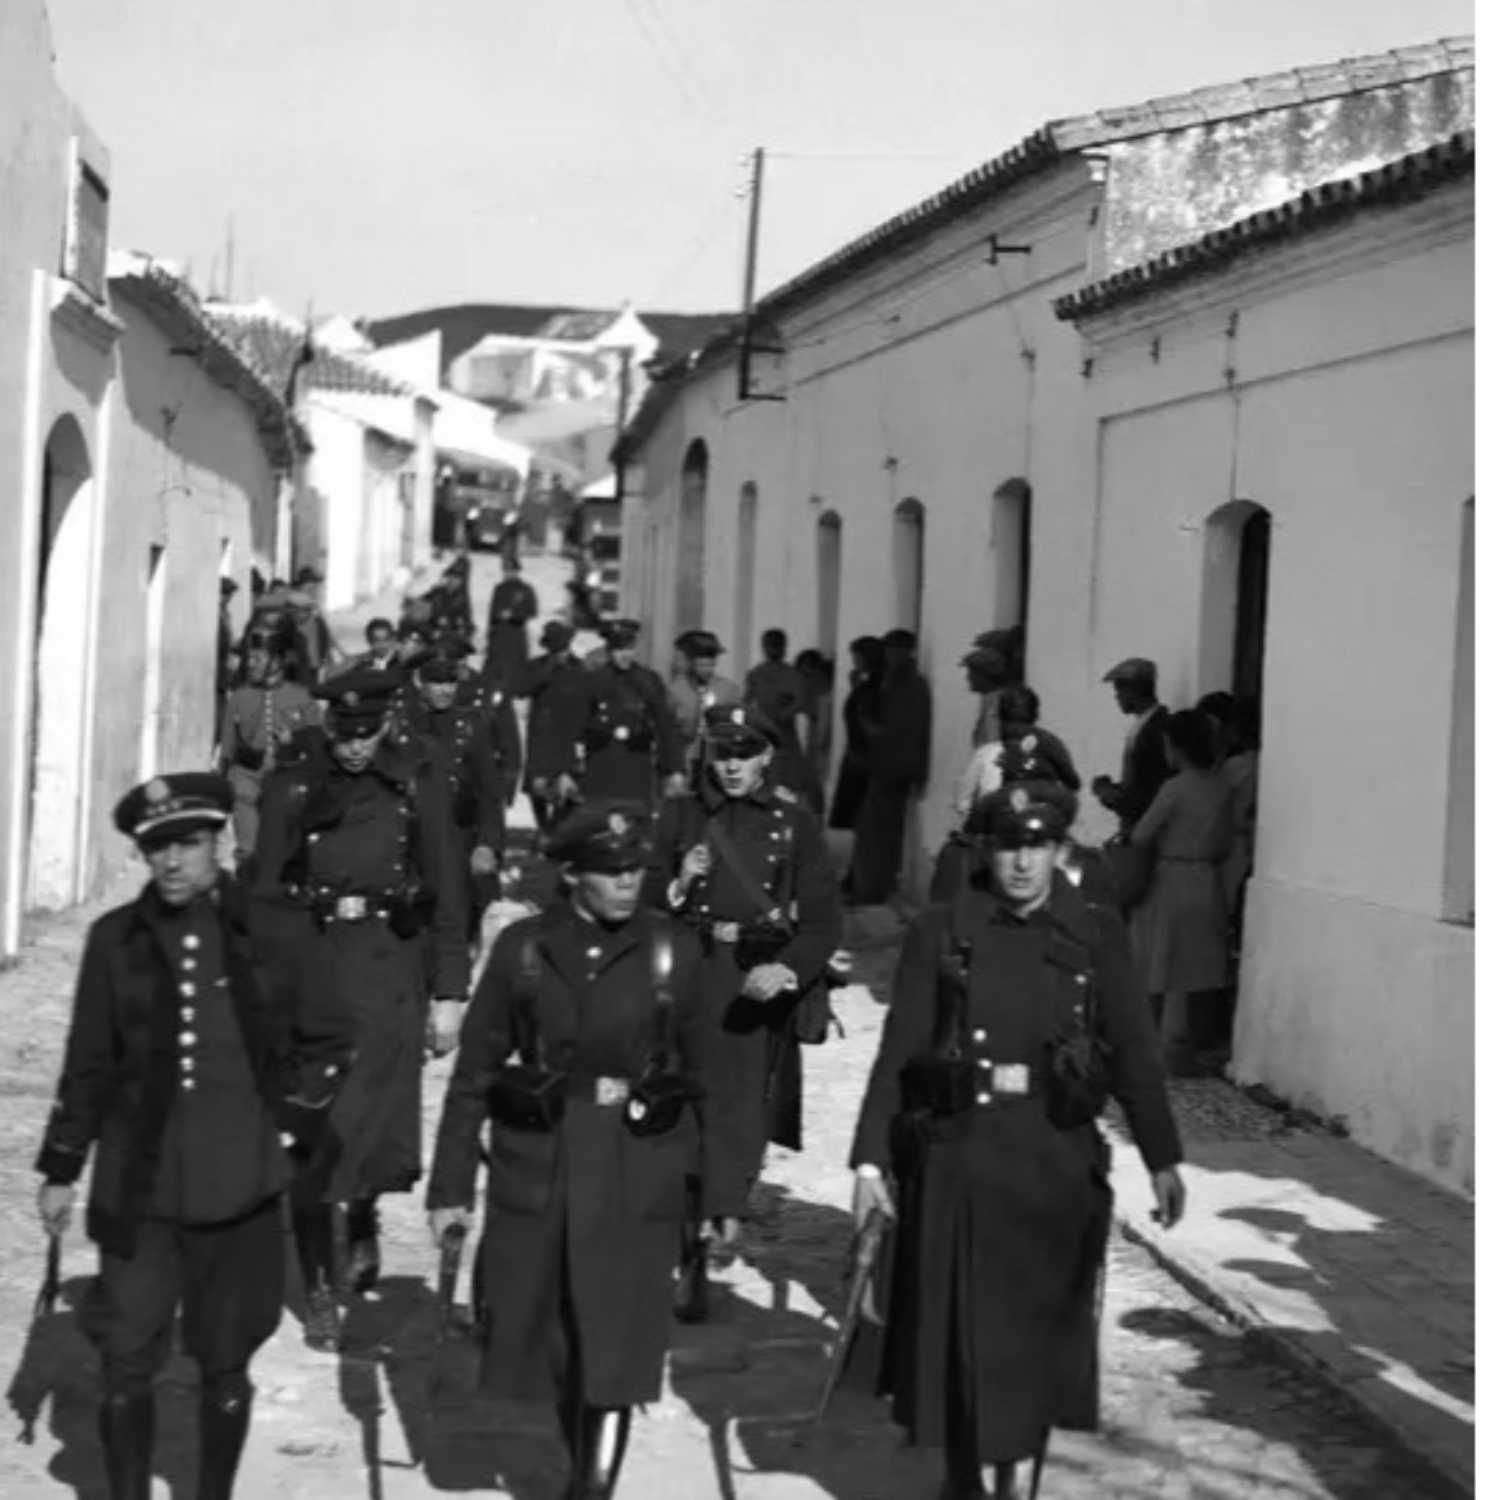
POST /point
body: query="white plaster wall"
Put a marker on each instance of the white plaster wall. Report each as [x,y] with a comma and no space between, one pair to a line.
[1352,422]
[334,490]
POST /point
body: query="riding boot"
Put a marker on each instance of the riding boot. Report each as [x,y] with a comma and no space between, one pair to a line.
[127,1429]
[223,1422]
[312,1229]
[690,1300]
[364,1246]
[605,1434]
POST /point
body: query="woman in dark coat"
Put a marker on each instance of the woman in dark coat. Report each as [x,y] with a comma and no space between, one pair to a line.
[861,710]
[582,1220]
[1003,1208]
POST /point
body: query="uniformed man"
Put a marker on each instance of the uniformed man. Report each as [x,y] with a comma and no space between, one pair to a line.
[512,605]
[552,681]
[592,1139]
[1015,1012]
[357,839]
[624,726]
[698,688]
[432,721]
[260,716]
[179,1062]
[743,864]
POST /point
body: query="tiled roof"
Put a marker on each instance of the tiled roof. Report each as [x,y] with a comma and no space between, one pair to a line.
[1400,181]
[464,325]
[1060,138]
[272,344]
[172,304]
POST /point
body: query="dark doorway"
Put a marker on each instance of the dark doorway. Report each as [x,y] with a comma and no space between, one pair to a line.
[1250,605]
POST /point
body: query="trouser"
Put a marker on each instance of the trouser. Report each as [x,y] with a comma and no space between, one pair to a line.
[228,1281]
[879,841]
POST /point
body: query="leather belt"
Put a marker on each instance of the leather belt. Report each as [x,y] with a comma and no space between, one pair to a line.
[1003,1081]
[602,1091]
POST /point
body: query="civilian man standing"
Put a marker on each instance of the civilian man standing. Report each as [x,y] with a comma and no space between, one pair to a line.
[1145,764]
[179,1062]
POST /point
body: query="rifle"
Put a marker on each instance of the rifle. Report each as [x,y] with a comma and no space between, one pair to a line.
[863,1254]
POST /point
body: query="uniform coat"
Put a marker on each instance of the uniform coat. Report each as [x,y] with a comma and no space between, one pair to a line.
[624,723]
[581,1231]
[782,694]
[459,744]
[387,830]
[550,682]
[756,1058]
[1002,1228]
[122,1067]
[512,604]
[496,702]
[256,721]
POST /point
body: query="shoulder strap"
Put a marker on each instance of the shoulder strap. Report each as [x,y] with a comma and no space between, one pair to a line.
[736,867]
[528,994]
[662,959]
[951,1022]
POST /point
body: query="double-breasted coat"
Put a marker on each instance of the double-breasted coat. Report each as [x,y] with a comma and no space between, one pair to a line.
[123,1069]
[550,682]
[459,744]
[624,724]
[756,1061]
[387,835]
[581,1226]
[1002,1224]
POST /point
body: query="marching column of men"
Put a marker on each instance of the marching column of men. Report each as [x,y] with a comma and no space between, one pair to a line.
[247,1047]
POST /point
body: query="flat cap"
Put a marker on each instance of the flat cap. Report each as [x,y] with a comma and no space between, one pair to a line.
[901,640]
[1029,812]
[1132,669]
[556,634]
[603,837]
[169,806]
[359,699]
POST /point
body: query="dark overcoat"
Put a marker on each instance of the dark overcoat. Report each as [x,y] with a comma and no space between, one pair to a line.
[1144,766]
[1002,1223]
[120,1070]
[512,604]
[624,723]
[386,831]
[587,1219]
[496,701]
[551,683]
[460,746]
[756,1058]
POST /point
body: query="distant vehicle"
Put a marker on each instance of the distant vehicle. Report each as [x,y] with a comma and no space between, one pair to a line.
[481,501]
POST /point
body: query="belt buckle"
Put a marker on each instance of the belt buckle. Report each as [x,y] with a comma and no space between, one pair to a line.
[350,908]
[1010,1078]
[726,932]
[611,1090]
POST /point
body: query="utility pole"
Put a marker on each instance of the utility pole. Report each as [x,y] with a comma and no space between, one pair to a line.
[622,416]
[752,246]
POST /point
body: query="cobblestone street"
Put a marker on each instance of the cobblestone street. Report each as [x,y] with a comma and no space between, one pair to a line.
[1192,1408]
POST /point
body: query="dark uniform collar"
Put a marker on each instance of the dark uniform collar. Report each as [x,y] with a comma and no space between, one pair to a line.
[1064,908]
[714,796]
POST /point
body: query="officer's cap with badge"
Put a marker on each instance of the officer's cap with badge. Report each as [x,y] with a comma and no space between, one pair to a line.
[618,634]
[1027,757]
[605,838]
[358,700]
[1025,815]
[171,807]
[443,661]
[738,732]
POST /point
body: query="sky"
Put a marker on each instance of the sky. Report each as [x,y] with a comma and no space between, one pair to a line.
[379,156]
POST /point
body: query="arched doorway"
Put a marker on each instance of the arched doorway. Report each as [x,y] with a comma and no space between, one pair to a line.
[1236,584]
[907,564]
[691,529]
[744,577]
[54,791]
[830,555]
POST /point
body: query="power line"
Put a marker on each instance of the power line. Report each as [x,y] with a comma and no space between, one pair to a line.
[648,22]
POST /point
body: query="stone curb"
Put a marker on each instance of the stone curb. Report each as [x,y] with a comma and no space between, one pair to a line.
[1199,1276]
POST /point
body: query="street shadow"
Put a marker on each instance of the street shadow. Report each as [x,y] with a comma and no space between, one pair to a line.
[413,1387]
[1238,1385]
[55,1387]
[754,1374]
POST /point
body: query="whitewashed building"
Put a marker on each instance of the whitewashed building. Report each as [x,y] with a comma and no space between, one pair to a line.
[913,437]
